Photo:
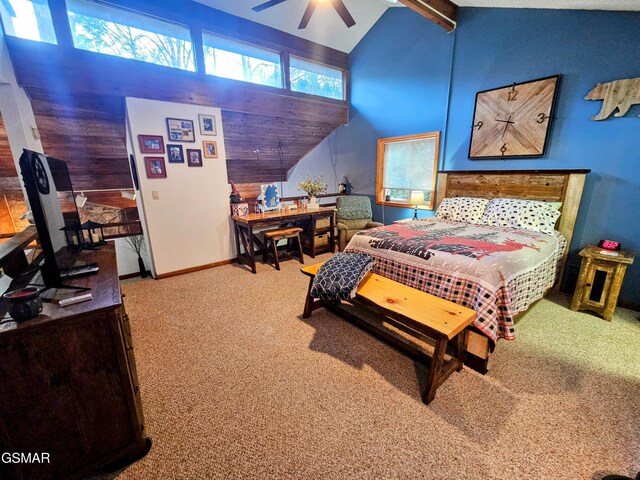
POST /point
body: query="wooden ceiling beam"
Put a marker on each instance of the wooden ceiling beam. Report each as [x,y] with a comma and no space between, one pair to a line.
[441,12]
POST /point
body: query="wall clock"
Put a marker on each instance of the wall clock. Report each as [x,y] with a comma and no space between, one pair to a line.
[513,121]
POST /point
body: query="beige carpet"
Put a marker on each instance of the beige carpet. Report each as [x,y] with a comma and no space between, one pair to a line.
[236,385]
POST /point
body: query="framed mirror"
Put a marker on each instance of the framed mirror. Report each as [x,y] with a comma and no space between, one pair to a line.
[407,170]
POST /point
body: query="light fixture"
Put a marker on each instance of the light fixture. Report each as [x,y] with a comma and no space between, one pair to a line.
[81,200]
[128,194]
[416,198]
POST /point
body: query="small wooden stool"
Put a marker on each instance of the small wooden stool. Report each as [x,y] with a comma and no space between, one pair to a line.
[271,242]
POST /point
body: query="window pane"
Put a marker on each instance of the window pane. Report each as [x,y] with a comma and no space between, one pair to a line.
[113,31]
[224,57]
[316,79]
[30,19]
[409,165]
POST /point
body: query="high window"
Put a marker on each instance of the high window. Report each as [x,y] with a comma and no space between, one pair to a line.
[407,168]
[30,19]
[113,31]
[316,79]
[224,57]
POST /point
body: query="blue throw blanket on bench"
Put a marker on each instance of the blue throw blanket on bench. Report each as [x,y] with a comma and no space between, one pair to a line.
[340,276]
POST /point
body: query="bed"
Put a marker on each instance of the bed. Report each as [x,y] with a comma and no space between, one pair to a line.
[496,270]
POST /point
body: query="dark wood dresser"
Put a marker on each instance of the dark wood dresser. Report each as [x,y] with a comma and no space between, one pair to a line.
[68,382]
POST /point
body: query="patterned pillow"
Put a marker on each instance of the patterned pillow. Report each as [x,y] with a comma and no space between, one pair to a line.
[339,277]
[462,209]
[527,214]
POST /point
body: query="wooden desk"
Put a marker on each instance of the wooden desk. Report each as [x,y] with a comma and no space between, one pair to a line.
[69,382]
[244,229]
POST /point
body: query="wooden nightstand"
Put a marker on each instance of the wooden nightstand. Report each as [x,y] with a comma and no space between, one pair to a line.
[613,268]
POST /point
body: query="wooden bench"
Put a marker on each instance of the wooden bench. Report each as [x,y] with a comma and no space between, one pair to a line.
[272,237]
[418,311]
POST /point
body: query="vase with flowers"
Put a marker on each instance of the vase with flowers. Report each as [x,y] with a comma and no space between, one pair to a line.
[313,187]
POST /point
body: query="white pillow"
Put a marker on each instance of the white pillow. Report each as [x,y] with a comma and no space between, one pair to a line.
[462,209]
[527,214]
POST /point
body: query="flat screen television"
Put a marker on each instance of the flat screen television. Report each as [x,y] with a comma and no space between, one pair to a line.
[52,201]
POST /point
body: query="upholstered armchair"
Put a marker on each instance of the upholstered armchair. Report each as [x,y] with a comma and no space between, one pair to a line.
[353,215]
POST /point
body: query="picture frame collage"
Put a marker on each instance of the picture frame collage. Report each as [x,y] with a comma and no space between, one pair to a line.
[179,131]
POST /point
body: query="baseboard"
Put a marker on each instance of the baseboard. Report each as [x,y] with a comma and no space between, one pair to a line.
[195,269]
[132,275]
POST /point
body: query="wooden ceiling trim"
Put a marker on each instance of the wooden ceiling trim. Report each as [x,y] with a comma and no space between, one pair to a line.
[441,12]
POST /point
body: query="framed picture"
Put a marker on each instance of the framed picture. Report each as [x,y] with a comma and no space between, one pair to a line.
[210,149]
[207,124]
[194,157]
[180,130]
[151,143]
[176,155]
[270,197]
[155,167]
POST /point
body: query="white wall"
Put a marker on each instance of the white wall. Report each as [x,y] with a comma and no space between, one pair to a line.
[188,225]
[15,108]
[333,158]
[127,258]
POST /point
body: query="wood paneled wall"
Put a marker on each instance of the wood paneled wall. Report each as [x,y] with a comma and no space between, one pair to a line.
[245,132]
[78,102]
[7,165]
[12,204]
[88,132]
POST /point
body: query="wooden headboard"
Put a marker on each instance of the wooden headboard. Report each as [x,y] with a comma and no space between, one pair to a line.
[546,185]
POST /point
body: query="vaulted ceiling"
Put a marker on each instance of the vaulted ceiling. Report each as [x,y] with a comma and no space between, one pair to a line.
[326,28]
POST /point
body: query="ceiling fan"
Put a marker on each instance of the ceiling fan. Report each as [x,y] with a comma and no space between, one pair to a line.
[338,5]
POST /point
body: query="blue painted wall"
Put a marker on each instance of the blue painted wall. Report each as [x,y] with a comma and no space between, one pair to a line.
[400,82]
[399,86]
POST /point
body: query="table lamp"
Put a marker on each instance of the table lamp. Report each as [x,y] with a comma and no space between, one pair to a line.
[416,198]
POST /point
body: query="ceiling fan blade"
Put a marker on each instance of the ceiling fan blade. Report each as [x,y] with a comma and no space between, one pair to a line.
[307,14]
[265,5]
[343,12]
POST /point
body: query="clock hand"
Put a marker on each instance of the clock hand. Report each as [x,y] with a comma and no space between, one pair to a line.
[506,124]
[505,121]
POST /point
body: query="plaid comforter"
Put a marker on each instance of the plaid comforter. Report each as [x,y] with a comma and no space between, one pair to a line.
[496,271]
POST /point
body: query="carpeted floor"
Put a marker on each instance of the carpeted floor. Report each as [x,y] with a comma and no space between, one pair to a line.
[235,384]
